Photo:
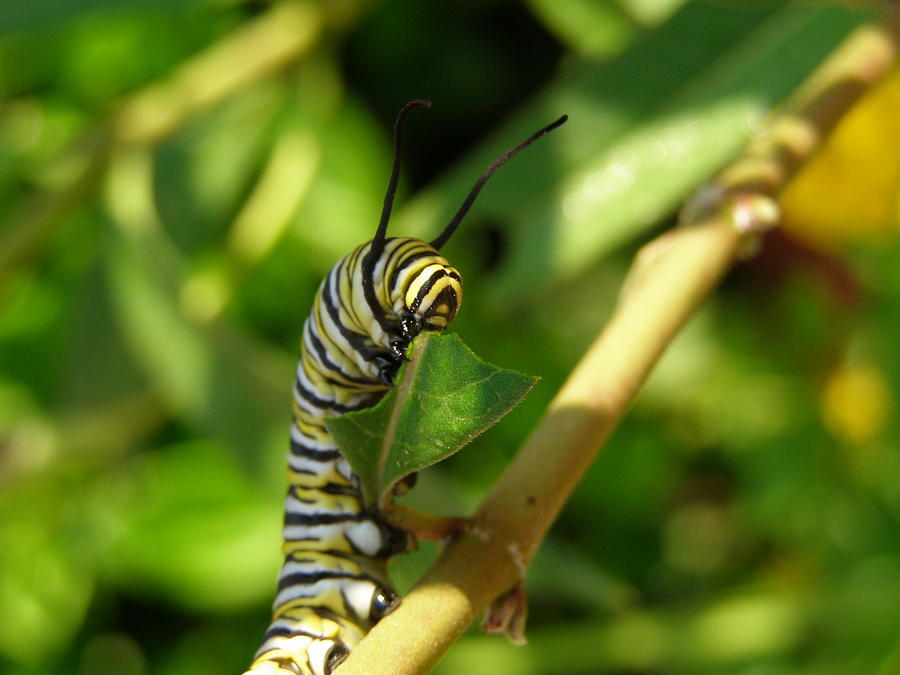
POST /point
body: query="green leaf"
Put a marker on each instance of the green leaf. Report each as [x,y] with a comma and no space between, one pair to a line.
[445,396]
[210,373]
[588,27]
[209,549]
[50,14]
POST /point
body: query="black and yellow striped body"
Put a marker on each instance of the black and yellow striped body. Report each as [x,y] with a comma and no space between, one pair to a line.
[333,585]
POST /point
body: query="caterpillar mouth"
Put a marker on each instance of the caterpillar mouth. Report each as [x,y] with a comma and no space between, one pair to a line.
[442,309]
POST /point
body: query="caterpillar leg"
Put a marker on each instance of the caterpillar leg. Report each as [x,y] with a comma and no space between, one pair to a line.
[302,642]
[305,657]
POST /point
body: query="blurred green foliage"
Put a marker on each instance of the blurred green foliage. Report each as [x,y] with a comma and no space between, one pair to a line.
[743,519]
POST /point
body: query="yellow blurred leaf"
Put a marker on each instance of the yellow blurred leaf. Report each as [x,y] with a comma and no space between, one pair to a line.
[850,191]
[855,403]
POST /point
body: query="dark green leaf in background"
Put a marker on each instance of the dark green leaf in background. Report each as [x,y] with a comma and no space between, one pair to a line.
[444,397]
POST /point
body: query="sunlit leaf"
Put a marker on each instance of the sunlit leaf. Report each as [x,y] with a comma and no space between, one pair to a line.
[444,397]
[590,28]
[203,174]
[344,199]
[203,373]
[190,544]
[42,582]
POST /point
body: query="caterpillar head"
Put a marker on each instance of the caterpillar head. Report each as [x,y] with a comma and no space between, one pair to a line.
[433,293]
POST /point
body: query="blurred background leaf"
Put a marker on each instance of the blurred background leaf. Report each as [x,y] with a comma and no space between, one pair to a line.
[742,520]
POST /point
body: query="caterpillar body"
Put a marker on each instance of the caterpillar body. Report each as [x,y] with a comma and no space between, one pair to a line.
[333,585]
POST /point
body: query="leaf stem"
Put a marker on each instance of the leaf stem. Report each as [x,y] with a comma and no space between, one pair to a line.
[426,526]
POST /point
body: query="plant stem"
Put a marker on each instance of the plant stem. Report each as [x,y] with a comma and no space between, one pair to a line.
[526,499]
[285,32]
[670,278]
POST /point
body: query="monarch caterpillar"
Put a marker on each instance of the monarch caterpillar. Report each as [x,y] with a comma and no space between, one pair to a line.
[333,584]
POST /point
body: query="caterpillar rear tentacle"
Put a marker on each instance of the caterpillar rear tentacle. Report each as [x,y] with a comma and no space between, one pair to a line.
[333,585]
